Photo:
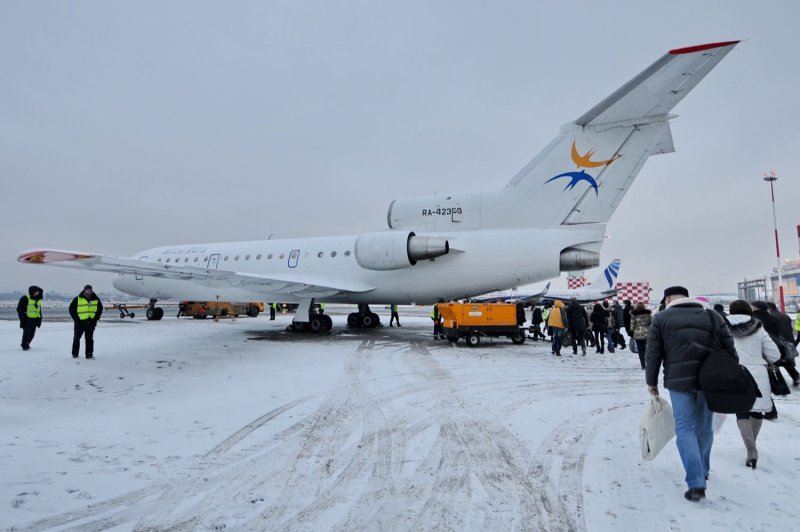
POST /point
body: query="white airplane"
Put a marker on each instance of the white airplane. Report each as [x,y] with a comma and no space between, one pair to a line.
[515,295]
[549,218]
[601,288]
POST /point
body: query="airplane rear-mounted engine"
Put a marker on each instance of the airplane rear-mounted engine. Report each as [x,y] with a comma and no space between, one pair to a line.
[392,250]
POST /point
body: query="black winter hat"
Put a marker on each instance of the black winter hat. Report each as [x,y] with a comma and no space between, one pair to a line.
[87,287]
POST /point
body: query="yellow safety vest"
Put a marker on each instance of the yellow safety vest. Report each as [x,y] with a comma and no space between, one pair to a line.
[86,309]
[34,311]
[435,315]
[797,321]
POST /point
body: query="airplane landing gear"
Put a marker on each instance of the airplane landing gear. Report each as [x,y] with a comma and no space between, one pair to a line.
[363,318]
[317,323]
[154,313]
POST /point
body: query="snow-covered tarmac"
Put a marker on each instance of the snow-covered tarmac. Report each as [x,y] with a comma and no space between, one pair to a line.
[237,425]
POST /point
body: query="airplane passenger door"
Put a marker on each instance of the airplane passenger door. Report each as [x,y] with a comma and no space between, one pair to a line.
[139,277]
[294,256]
[213,261]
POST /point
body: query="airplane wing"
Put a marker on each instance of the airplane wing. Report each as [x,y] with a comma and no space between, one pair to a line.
[296,284]
[659,87]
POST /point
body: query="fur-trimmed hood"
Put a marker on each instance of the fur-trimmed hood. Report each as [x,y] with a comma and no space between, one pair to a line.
[742,325]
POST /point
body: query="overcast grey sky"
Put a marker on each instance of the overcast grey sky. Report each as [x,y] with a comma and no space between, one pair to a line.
[130,125]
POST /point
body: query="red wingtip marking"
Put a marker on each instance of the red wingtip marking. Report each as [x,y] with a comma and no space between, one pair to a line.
[42,257]
[701,47]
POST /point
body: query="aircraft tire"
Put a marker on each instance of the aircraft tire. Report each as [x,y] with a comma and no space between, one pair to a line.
[150,313]
[327,323]
[368,321]
[376,320]
[159,313]
[131,315]
[315,324]
[353,320]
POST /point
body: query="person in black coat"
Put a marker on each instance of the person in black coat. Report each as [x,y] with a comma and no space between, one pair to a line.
[777,328]
[576,316]
[85,310]
[676,339]
[626,317]
[598,320]
[619,323]
[29,311]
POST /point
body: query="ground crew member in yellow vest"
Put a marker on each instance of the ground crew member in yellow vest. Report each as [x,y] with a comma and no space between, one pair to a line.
[272,308]
[438,326]
[29,310]
[395,315]
[85,310]
[797,327]
[321,309]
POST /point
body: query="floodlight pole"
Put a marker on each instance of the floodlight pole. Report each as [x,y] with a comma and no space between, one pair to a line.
[771,177]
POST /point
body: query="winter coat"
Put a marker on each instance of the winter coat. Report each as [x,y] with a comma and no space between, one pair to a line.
[22,308]
[598,319]
[73,307]
[755,349]
[626,316]
[557,317]
[576,317]
[618,315]
[640,323]
[536,318]
[675,340]
[784,326]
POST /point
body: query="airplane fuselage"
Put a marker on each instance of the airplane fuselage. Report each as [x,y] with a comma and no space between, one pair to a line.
[478,261]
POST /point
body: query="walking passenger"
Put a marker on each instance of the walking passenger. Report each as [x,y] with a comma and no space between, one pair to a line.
[626,317]
[679,339]
[85,310]
[773,327]
[797,326]
[537,319]
[619,323]
[556,323]
[576,319]
[640,325]
[598,319]
[755,349]
[609,326]
[29,311]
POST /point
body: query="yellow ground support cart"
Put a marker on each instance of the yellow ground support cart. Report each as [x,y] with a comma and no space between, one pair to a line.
[472,321]
[219,309]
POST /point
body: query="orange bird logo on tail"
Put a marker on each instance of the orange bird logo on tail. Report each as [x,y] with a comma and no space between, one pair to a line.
[585,161]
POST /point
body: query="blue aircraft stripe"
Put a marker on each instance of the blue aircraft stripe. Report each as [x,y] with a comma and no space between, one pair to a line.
[608,278]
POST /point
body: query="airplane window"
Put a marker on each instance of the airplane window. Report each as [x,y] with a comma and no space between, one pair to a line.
[205,259]
[196,259]
[247,257]
[167,260]
[226,257]
[269,256]
[282,256]
[258,257]
[159,260]
[333,253]
[236,257]
[186,259]
[347,253]
[320,254]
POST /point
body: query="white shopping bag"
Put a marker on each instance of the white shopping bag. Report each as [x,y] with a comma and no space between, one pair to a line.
[657,428]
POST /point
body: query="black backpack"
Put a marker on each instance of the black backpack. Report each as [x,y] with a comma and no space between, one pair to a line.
[728,387]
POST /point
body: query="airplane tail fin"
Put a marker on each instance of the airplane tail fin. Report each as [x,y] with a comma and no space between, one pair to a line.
[608,277]
[584,173]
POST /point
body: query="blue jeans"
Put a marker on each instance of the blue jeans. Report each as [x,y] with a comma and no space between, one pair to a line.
[610,339]
[693,434]
[556,339]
